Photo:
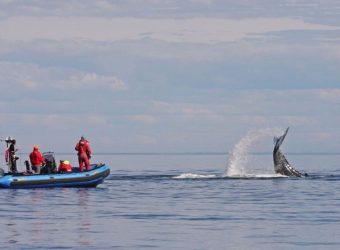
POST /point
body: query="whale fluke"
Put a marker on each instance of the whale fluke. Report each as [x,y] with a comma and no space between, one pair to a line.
[281,165]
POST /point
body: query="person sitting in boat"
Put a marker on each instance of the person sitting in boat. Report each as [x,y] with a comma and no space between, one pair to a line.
[65,167]
[37,160]
[10,157]
[84,153]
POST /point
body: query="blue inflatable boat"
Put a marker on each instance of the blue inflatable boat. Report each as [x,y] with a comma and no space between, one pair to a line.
[91,178]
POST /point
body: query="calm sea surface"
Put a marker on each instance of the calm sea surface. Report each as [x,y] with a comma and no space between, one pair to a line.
[181,202]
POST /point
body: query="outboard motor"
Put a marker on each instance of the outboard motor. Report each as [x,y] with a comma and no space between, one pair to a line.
[51,166]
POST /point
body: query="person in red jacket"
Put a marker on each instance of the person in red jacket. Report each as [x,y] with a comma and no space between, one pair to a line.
[84,153]
[65,167]
[37,161]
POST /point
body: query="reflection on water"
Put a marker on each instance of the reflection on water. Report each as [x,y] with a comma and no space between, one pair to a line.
[37,216]
[13,233]
[84,218]
[36,224]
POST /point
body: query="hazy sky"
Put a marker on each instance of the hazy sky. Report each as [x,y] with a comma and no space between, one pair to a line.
[169,75]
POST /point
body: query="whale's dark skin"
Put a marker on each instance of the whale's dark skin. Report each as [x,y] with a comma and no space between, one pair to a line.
[281,165]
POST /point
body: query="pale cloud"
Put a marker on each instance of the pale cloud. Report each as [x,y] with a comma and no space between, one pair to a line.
[203,1]
[104,5]
[321,136]
[291,96]
[106,141]
[98,120]
[55,121]
[255,120]
[91,80]
[294,120]
[194,111]
[146,140]
[161,105]
[265,108]
[334,48]
[29,83]
[189,111]
[18,75]
[39,120]
[148,119]
[31,76]
[59,121]
[195,30]
[328,95]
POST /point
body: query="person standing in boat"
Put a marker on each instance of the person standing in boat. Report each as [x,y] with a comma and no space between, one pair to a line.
[7,140]
[84,153]
[11,158]
[37,160]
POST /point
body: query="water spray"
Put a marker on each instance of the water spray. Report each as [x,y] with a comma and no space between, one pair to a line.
[239,156]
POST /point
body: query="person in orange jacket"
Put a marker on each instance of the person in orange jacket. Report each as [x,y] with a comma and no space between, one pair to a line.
[84,153]
[37,161]
[65,167]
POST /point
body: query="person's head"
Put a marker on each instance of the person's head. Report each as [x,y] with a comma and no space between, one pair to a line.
[36,147]
[14,141]
[65,162]
[82,137]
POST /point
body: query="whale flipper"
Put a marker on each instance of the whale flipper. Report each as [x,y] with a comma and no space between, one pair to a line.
[281,165]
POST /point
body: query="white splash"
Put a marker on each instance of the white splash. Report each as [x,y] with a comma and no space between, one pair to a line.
[239,156]
[194,176]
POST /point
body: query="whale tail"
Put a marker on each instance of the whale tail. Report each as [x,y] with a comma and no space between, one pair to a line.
[281,165]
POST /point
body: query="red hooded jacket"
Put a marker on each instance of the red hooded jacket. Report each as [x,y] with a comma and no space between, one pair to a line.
[36,158]
[64,167]
[83,148]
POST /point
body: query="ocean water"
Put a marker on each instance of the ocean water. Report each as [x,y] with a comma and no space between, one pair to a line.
[181,201]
